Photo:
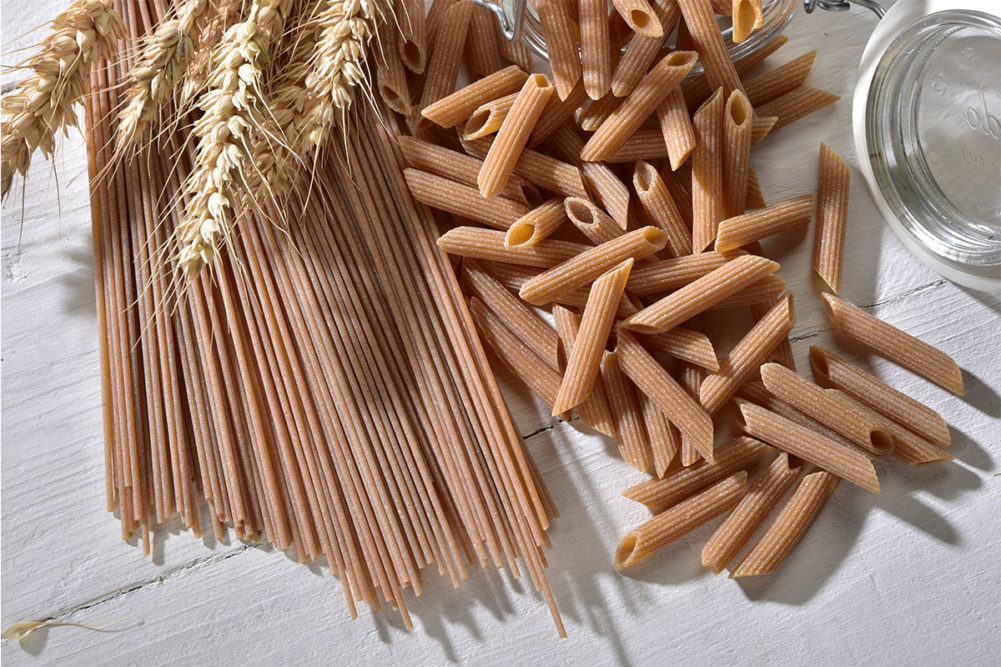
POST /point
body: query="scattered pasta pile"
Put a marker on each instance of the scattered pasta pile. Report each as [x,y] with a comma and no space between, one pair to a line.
[536,177]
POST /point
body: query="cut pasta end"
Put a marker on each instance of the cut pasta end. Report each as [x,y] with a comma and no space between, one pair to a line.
[519,234]
[882,442]
[645,23]
[624,552]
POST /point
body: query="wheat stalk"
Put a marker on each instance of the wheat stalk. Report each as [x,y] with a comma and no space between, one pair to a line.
[195,80]
[43,103]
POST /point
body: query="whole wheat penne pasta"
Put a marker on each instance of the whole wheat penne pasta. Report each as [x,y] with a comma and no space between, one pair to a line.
[797,103]
[514,277]
[451,165]
[557,113]
[765,291]
[705,32]
[453,109]
[664,213]
[767,489]
[412,46]
[661,494]
[619,32]
[446,53]
[643,145]
[898,346]
[747,17]
[625,408]
[755,198]
[594,223]
[391,74]
[488,244]
[513,134]
[597,112]
[696,89]
[566,143]
[691,377]
[761,126]
[591,263]
[828,409]
[639,16]
[722,7]
[606,189]
[832,217]
[701,294]
[654,381]
[535,225]
[595,48]
[778,81]
[643,541]
[482,52]
[847,463]
[909,447]
[663,275]
[755,225]
[462,200]
[538,168]
[789,526]
[747,355]
[783,352]
[707,172]
[524,322]
[665,440]
[639,105]
[685,344]
[513,50]
[557,27]
[641,51]
[676,128]
[594,410]
[737,119]
[584,359]
[830,370]
[488,117]
[756,393]
[435,17]
[679,185]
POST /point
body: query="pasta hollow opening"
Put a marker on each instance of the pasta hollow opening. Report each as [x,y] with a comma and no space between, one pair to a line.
[521,234]
[389,94]
[640,18]
[682,58]
[411,55]
[818,364]
[625,551]
[881,441]
[476,122]
[580,212]
[540,81]
[740,110]
[644,179]
[745,14]
[653,235]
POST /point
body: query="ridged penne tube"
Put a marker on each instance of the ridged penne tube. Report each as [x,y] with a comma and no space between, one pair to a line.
[761,126]
[591,263]
[390,73]
[898,346]
[665,440]
[488,244]
[663,212]
[696,88]
[411,47]
[830,370]
[538,168]
[778,81]
[482,51]
[737,119]
[535,225]
[584,359]
[747,355]
[828,409]
[660,494]
[847,463]
[676,127]
[783,353]
[664,275]
[593,223]
[701,294]
[524,322]
[606,188]
[641,51]
[756,393]
[691,377]
[909,447]
[514,277]
[832,217]
[767,489]
[643,145]
[451,165]
[594,410]
[462,200]
[646,539]
[639,16]
[797,103]
[454,109]
[654,381]
[685,344]
[513,51]
[557,113]
[741,230]
[513,134]
[764,291]
[595,48]
[557,27]
[638,106]
[789,526]
[624,405]
[597,112]
[488,117]
[707,172]
[705,32]
[446,53]
[747,17]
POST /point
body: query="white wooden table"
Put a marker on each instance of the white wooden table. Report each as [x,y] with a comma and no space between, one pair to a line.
[906,577]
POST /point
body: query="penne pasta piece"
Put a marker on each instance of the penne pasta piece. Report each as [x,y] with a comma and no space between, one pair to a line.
[825,453]
[595,48]
[597,112]
[535,225]
[665,440]
[547,172]
[656,383]
[828,409]
[641,51]
[898,346]
[625,408]
[756,393]
[737,119]
[638,106]
[664,213]
[830,370]
[780,80]
[462,200]
[737,528]
[741,230]
[747,355]
[557,113]
[640,17]
[685,344]
[584,359]
[411,47]
[451,165]
[765,291]
[643,145]
[691,379]
[701,294]
[789,526]
[755,198]
[390,73]
[513,135]
[761,126]
[488,118]
[482,51]
[664,275]
[557,27]
[606,189]
[453,109]
[832,217]
[594,223]
[446,53]
[524,322]
[676,127]
[697,90]
[783,353]
[747,17]
[679,185]
[797,103]
[488,244]
[719,69]
[513,51]
[594,410]
[707,172]
[435,18]
[513,277]
[646,539]
[590,264]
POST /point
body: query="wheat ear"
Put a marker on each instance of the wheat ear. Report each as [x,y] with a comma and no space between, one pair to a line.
[221,18]
[43,103]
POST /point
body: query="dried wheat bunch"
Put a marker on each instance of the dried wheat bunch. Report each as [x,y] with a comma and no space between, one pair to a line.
[224,14]
[43,103]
